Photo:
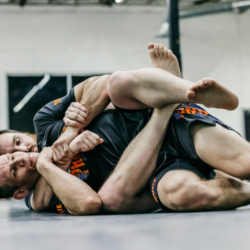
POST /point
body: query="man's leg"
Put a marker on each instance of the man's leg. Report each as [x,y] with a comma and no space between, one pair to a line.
[223,149]
[156,87]
[182,190]
[124,191]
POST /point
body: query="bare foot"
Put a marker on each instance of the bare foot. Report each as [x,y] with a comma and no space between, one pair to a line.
[211,94]
[164,58]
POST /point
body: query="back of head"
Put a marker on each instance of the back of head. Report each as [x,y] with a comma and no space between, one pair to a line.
[5,131]
[7,192]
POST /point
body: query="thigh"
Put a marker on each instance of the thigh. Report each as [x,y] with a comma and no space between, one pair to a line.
[222,149]
[122,93]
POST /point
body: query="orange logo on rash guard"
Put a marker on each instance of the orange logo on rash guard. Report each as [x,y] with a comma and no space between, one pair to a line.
[153,193]
[193,111]
[77,162]
[57,101]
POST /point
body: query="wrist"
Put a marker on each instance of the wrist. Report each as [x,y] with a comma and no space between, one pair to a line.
[71,131]
[44,166]
[69,135]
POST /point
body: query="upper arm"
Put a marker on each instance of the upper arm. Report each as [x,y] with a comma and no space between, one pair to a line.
[91,86]
[93,95]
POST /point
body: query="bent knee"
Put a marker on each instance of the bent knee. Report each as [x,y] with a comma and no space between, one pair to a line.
[119,84]
[183,193]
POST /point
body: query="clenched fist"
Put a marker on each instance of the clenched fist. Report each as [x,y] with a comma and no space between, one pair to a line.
[84,142]
[76,115]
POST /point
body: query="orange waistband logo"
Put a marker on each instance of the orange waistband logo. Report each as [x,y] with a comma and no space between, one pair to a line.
[193,111]
[153,193]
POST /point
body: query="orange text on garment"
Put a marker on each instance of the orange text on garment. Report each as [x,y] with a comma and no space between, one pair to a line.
[153,193]
[77,162]
[60,209]
[191,111]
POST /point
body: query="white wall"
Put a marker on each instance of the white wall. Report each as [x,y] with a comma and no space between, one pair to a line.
[218,46]
[73,40]
[79,40]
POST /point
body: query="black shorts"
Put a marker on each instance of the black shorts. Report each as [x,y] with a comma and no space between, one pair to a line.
[182,154]
[179,164]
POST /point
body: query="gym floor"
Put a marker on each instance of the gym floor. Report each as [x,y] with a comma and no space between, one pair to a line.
[23,230]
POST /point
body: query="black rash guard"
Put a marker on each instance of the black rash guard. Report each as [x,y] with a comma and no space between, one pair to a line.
[118,128]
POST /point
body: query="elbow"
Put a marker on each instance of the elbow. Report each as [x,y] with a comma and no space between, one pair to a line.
[90,206]
[114,199]
[94,205]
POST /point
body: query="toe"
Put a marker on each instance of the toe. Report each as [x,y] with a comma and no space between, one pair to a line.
[161,51]
[150,46]
[194,87]
[156,48]
[207,79]
[151,50]
[207,83]
[165,52]
[197,86]
[190,95]
[170,53]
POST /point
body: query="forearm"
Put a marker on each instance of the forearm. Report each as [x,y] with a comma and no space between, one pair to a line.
[93,95]
[43,193]
[76,195]
[138,161]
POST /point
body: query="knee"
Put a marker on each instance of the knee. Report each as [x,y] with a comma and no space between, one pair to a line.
[119,82]
[184,194]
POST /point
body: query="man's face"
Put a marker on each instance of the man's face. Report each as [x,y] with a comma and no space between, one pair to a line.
[13,142]
[19,169]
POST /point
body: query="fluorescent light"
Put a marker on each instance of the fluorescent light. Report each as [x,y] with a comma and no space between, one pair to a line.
[31,93]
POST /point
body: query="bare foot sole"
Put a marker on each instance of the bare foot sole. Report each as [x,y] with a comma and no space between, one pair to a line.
[164,58]
[213,95]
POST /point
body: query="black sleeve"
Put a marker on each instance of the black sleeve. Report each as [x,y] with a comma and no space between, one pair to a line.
[55,205]
[27,200]
[48,121]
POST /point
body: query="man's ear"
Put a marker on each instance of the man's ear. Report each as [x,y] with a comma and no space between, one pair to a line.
[20,194]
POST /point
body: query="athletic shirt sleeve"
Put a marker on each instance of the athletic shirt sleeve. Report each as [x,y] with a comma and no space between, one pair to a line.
[55,205]
[48,121]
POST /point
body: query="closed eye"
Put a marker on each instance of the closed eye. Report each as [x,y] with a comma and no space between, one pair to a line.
[14,171]
[17,141]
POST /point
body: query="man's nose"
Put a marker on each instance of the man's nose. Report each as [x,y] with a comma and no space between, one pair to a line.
[22,148]
[19,161]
